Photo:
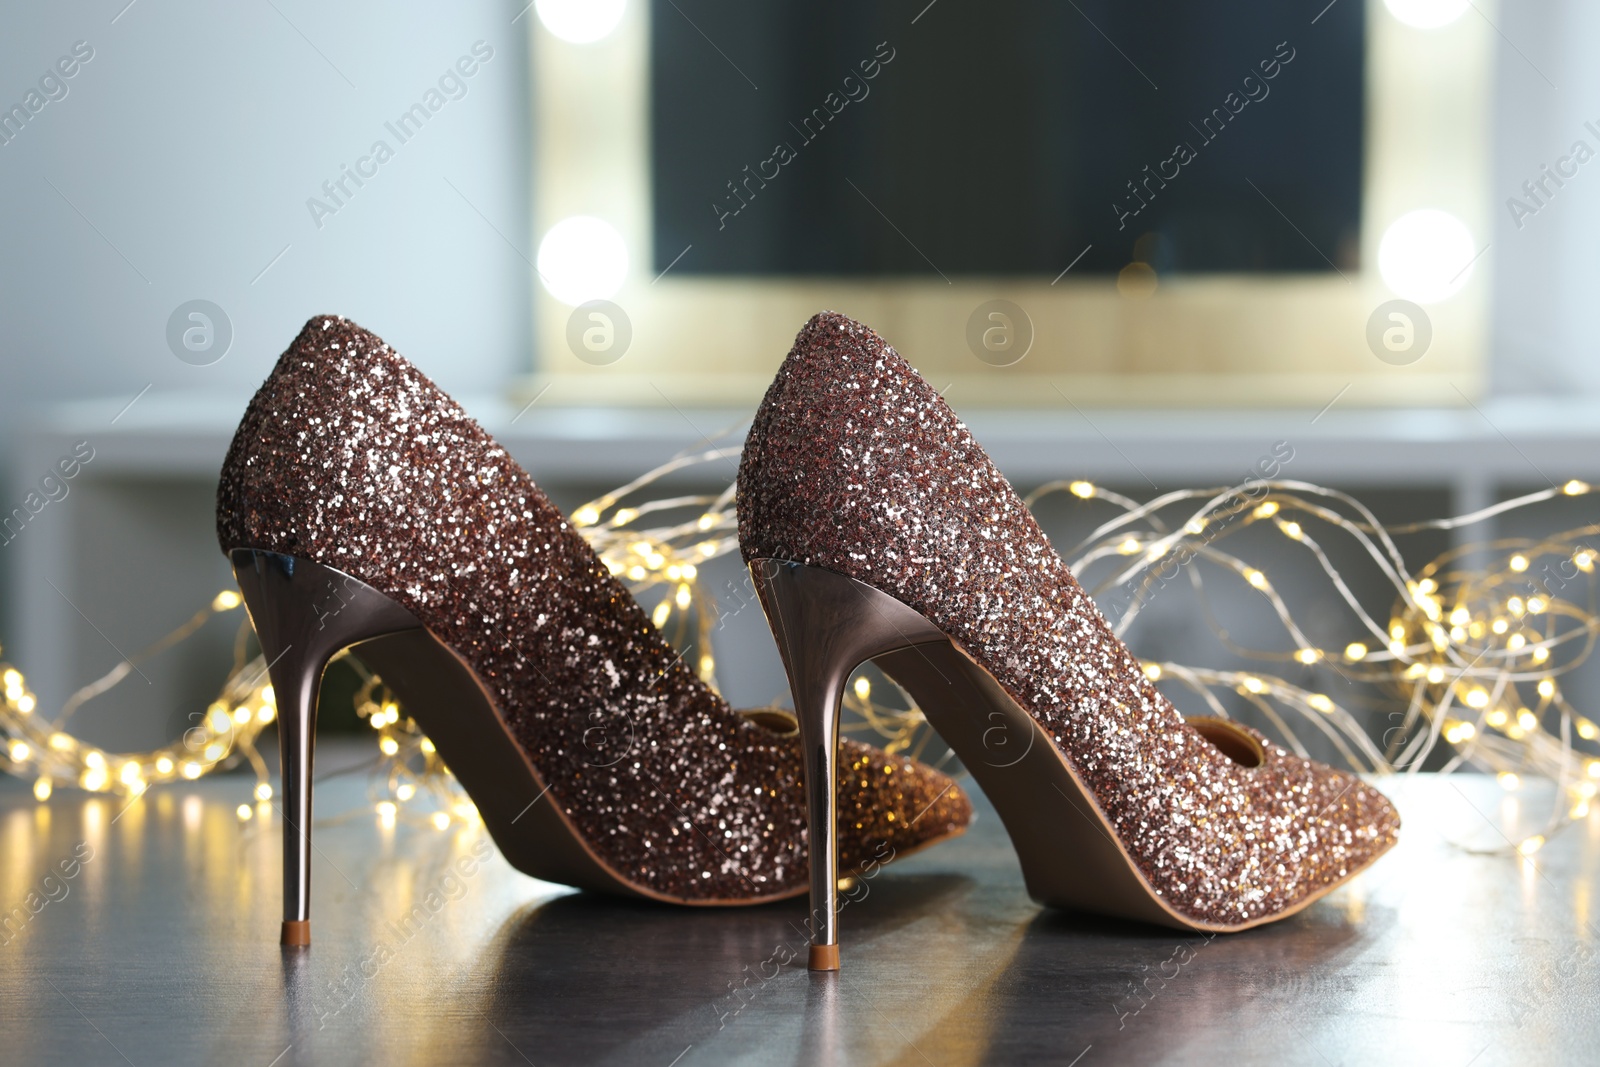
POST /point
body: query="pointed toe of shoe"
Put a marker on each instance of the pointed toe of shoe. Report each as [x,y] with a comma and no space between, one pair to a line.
[890,806]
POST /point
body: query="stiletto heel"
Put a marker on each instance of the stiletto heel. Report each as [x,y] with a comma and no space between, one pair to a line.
[878,528]
[360,506]
[826,626]
[305,614]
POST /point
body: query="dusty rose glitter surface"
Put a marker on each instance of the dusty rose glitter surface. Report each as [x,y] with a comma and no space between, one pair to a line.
[349,456]
[856,464]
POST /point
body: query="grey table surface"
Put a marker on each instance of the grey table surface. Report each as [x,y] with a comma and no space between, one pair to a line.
[161,950]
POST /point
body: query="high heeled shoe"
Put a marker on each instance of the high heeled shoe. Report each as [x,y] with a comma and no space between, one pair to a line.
[360,506]
[877,528]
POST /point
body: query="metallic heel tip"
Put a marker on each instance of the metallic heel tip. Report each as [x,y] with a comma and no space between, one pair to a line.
[824,957]
[296,933]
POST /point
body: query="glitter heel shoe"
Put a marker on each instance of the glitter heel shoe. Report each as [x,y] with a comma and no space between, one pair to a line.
[876,528]
[360,506]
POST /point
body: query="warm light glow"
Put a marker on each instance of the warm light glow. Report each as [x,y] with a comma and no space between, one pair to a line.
[1426,255]
[226,600]
[405,791]
[244,812]
[20,751]
[164,765]
[1527,719]
[191,770]
[585,516]
[263,791]
[1508,780]
[1426,14]
[441,821]
[1266,510]
[1519,563]
[1152,671]
[427,745]
[1355,650]
[1435,675]
[1546,687]
[583,258]
[1575,487]
[1531,845]
[41,789]
[863,688]
[1292,530]
[580,21]
[389,746]
[1082,490]
[1308,655]
[1320,702]
[1478,698]
[1256,578]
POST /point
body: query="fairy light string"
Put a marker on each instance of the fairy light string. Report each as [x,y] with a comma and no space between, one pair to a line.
[1471,656]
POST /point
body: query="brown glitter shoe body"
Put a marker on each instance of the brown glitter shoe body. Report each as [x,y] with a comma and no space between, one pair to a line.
[877,527]
[358,501]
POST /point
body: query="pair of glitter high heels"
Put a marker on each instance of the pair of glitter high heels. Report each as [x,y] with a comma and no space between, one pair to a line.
[361,507]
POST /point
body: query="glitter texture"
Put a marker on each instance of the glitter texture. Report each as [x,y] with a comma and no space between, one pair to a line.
[854,463]
[349,456]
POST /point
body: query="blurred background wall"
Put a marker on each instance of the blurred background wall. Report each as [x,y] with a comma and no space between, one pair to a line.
[179,164]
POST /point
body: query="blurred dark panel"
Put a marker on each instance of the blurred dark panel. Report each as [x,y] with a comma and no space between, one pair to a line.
[1002,138]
